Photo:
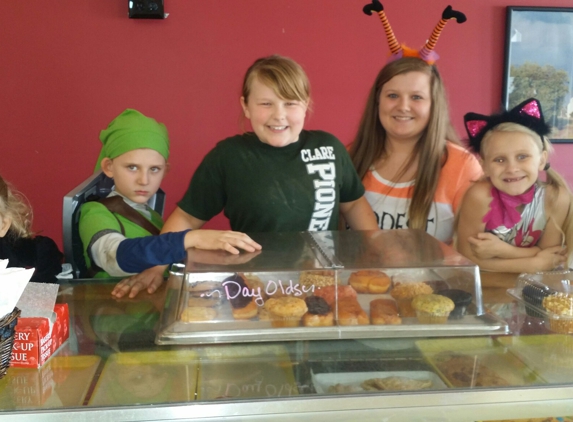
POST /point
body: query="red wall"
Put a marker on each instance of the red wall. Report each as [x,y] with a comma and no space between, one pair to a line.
[68,67]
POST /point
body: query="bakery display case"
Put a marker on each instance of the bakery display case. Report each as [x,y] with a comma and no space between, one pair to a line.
[112,369]
[326,285]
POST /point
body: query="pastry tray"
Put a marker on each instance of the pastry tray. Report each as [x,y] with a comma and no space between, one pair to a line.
[225,329]
[147,377]
[322,382]
[549,355]
[476,362]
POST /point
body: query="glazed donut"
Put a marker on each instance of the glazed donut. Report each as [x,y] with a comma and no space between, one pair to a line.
[350,313]
[369,281]
[384,311]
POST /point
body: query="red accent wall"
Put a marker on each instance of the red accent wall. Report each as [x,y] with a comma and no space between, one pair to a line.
[68,67]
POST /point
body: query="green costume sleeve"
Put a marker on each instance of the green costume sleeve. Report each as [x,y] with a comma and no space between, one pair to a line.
[97,220]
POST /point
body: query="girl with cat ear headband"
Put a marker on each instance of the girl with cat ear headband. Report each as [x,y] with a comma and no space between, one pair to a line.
[511,220]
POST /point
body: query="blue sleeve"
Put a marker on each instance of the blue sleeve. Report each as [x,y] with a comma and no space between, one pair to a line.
[136,255]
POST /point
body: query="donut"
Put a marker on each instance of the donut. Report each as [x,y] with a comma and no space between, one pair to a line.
[384,311]
[319,313]
[246,312]
[369,281]
[256,284]
[236,286]
[242,306]
[314,320]
[351,313]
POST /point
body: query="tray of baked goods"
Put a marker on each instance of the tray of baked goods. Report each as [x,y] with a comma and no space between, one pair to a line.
[332,285]
[477,362]
[548,296]
[372,382]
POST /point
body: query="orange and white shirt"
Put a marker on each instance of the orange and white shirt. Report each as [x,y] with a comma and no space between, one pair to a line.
[390,201]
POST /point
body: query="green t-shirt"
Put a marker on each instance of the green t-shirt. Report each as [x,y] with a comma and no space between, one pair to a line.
[262,188]
[96,220]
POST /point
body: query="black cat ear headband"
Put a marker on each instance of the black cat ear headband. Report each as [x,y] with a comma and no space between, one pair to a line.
[528,114]
[398,51]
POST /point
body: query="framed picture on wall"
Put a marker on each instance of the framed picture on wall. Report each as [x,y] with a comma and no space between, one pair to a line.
[539,63]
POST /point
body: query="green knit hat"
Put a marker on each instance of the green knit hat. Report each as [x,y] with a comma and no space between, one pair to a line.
[132,130]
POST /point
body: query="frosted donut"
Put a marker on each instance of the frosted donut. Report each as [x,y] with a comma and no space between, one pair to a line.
[246,312]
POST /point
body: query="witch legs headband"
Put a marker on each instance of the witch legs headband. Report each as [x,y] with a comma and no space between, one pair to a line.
[398,51]
[528,114]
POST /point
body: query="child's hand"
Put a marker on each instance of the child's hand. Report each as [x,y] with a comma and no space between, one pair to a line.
[550,258]
[216,239]
[487,246]
[149,279]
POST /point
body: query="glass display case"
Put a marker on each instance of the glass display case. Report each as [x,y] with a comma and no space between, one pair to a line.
[326,285]
[112,369]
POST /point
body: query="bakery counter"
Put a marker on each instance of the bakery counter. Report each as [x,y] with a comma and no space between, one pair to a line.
[111,369]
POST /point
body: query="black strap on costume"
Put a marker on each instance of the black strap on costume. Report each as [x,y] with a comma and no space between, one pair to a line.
[116,205]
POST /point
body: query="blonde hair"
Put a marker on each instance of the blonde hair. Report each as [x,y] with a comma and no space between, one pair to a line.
[282,74]
[369,145]
[15,206]
[554,181]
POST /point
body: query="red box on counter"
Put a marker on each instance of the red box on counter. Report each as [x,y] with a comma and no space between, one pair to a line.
[33,341]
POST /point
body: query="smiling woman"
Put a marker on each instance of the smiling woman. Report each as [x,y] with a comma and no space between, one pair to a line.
[407,153]
[405,105]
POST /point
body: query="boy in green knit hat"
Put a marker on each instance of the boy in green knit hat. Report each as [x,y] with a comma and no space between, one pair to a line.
[117,231]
